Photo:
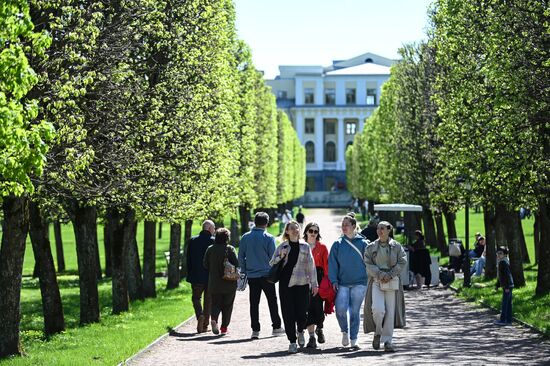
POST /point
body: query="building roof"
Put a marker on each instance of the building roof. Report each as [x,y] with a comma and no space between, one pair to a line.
[363,69]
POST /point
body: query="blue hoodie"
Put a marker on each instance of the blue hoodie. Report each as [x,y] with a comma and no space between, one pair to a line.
[255,251]
[345,266]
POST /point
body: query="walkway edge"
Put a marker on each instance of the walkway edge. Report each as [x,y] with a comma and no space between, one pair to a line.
[131,358]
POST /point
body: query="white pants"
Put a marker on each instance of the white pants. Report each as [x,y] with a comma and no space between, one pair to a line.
[383,312]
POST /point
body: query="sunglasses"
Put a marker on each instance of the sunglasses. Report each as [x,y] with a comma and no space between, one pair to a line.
[311,231]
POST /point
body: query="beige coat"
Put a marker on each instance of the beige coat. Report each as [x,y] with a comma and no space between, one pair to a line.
[398,259]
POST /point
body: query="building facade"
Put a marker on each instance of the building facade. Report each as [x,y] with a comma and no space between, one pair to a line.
[328,106]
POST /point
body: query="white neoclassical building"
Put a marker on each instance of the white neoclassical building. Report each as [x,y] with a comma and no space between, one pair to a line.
[327,107]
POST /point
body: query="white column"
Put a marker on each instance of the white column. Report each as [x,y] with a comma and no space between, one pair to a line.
[378,91]
[299,92]
[319,142]
[361,123]
[319,91]
[361,96]
[340,148]
[340,92]
[300,127]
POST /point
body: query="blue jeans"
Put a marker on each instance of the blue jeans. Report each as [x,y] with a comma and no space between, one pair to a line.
[478,266]
[506,308]
[349,299]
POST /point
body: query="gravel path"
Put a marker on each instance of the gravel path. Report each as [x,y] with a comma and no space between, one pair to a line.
[441,329]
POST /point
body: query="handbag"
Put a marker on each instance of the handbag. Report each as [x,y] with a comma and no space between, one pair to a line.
[275,272]
[230,272]
[392,285]
[242,281]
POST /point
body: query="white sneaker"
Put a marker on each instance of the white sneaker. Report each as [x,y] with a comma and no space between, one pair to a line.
[355,344]
[293,348]
[255,335]
[301,339]
[278,331]
[214,325]
[345,339]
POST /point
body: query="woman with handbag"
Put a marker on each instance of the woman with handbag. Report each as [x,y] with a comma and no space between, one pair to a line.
[221,261]
[347,273]
[384,303]
[297,278]
[315,313]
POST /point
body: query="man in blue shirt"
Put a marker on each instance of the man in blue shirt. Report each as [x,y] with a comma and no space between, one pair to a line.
[255,251]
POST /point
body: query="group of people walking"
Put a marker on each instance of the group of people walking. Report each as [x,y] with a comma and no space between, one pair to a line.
[355,271]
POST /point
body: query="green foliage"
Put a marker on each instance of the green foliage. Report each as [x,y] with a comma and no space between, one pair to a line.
[23,143]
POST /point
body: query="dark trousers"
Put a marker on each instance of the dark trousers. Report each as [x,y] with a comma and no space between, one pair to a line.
[315,313]
[506,308]
[199,291]
[222,303]
[294,305]
[257,285]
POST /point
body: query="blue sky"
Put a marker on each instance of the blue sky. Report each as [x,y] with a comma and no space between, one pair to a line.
[315,32]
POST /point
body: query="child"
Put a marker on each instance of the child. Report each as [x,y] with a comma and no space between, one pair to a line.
[505,281]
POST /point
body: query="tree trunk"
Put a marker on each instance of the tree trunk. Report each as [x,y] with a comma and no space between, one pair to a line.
[12,252]
[114,221]
[489,220]
[173,265]
[133,266]
[85,231]
[234,233]
[160,230]
[52,307]
[536,236]
[59,246]
[412,223]
[450,218]
[523,244]
[543,274]
[97,259]
[149,259]
[244,215]
[429,227]
[186,237]
[107,245]
[508,222]
[441,242]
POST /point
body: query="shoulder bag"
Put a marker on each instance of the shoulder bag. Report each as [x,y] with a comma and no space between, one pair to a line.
[230,272]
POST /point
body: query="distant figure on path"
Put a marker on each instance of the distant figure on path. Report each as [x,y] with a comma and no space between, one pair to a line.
[300,217]
[370,231]
[315,314]
[505,281]
[347,273]
[420,261]
[197,275]
[298,279]
[384,307]
[255,251]
[222,292]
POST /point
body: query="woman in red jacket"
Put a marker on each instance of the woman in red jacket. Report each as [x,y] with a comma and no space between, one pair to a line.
[315,312]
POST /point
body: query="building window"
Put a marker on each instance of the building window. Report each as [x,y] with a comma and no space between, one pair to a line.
[351,128]
[350,96]
[330,184]
[371,96]
[330,152]
[310,125]
[330,96]
[281,94]
[330,128]
[310,184]
[309,96]
[310,152]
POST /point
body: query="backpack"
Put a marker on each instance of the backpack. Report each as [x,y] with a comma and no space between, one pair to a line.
[454,249]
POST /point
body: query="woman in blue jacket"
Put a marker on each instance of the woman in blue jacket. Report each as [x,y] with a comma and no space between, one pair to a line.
[348,275]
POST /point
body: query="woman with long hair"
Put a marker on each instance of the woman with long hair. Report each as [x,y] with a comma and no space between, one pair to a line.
[315,313]
[298,278]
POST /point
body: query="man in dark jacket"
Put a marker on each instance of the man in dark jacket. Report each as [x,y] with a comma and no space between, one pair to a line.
[197,275]
[505,281]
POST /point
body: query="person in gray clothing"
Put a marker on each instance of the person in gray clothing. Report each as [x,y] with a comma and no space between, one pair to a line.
[255,251]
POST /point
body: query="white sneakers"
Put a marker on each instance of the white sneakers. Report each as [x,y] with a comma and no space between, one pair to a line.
[278,331]
[293,348]
[301,339]
[355,344]
[345,339]
[214,325]
[255,335]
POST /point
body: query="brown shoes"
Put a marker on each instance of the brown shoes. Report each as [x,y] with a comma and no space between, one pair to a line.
[201,324]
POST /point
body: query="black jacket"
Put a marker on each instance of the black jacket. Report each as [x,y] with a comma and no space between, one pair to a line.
[196,273]
[504,279]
